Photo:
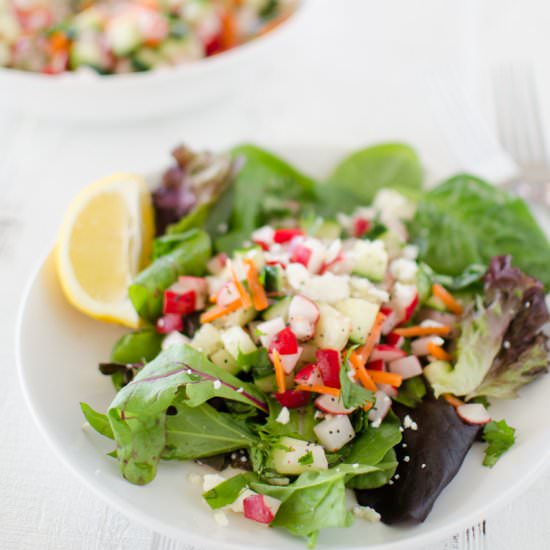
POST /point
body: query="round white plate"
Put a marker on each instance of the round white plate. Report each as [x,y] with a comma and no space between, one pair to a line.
[58,350]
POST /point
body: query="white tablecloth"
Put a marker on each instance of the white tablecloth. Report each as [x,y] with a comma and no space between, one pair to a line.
[350,84]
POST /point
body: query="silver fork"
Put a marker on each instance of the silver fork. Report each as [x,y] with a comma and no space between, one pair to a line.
[520,130]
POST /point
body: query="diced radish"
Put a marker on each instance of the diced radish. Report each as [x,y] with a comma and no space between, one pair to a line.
[393,339]
[334,432]
[473,413]
[185,283]
[360,226]
[217,263]
[386,353]
[316,256]
[303,315]
[290,360]
[169,323]
[285,235]
[269,329]
[390,391]
[407,367]
[263,237]
[328,362]
[419,346]
[332,405]
[284,342]
[446,319]
[292,399]
[377,364]
[256,508]
[181,304]
[381,408]
[390,322]
[227,294]
[333,252]
[309,376]
[300,255]
[404,301]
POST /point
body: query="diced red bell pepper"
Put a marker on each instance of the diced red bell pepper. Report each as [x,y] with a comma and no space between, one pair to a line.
[285,342]
[182,304]
[292,399]
[285,235]
[360,226]
[256,509]
[328,361]
[169,323]
[301,255]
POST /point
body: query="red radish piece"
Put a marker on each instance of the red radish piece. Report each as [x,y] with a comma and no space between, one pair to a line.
[381,408]
[268,329]
[407,367]
[317,255]
[309,376]
[263,237]
[404,301]
[446,319]
[303,315]
[301,255]
[199,285]
[390,391]
[360,226]
[181,304]
[386,353]
[284,342]
[390,322]
[328,362]
[169,323]
[473,413]
[419,346]
[217,263]
[255,508]
[393,339]
[332,405]
[281,236]
[290,361]
[378,364]
[227,294]
[292,399]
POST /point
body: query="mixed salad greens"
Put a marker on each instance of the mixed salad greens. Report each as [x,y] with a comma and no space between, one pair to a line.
[308,338]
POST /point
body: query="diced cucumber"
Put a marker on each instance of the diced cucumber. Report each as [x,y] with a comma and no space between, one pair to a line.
[237,341]
[223,359]
[286,456]
[278,309]
[362,314]
[275,278]
[254,253]
[370,259]
[327,229]
[435,303]
[238,318]
[86,52]
[333,328]
[207,339]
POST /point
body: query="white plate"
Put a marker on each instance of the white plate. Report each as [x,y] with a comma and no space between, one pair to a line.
[58,351]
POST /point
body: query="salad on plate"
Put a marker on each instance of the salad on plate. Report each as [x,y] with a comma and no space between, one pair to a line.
[328,350]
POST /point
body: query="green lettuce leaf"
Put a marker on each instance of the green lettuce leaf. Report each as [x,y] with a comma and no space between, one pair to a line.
[500,437]
[139,346]
[98,421]
[228,491]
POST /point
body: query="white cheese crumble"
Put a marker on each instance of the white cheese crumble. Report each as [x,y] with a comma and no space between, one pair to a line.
[410,252]
[408,422]
[221,519]
[209,481]
[217,384]
[194,479]
[366,512]
[284,416]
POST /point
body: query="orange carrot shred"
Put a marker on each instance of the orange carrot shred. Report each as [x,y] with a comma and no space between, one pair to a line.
[318,389]
[245,298]
[213,298]
[367,407]
[422,331]
[259,297]
[279,372]
[452,400]
[220,311]
[381,377]
[438,352]
[361,371]
[447,298]
[366,349]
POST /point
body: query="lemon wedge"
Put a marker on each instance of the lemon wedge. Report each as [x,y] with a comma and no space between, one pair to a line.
[104,241]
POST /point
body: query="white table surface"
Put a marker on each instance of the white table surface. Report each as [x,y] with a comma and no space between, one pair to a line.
[318,96]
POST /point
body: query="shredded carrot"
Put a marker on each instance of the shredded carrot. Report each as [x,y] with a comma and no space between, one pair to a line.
[318,389]
[245,298]
[213,298]
[220,311]
[365,350]
[447,298]
[367,407]
[452,400]
[279,372]
[438,352]
[382,377]
[259,297]
[422,331]
[361,371]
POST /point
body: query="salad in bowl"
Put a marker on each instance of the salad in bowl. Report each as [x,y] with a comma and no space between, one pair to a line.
[329,351]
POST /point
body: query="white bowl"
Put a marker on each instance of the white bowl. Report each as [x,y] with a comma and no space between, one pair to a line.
[58,350]
[86,95]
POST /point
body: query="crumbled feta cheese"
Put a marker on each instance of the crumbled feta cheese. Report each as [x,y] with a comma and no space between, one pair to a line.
[319,415]
[238,506]
[194,479]
[209,481]
[404,270]
[284,416]
[217,384]
[423,466]
[240,390]
[221,519]
[407,421]
[376,423]
[431,323]
[506,344]
[406,458]
[410,252]
[366,512]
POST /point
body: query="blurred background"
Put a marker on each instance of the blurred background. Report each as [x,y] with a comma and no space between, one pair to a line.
[341,74]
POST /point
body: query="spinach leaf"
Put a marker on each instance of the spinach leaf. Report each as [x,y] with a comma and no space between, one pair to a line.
[411,392]
[373,480]
[197,432]
[99,422]
[500,437]
[189,258]
[139,346]
[300,424]
[352,394]
[358,178]
[466,221]
[228,491]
